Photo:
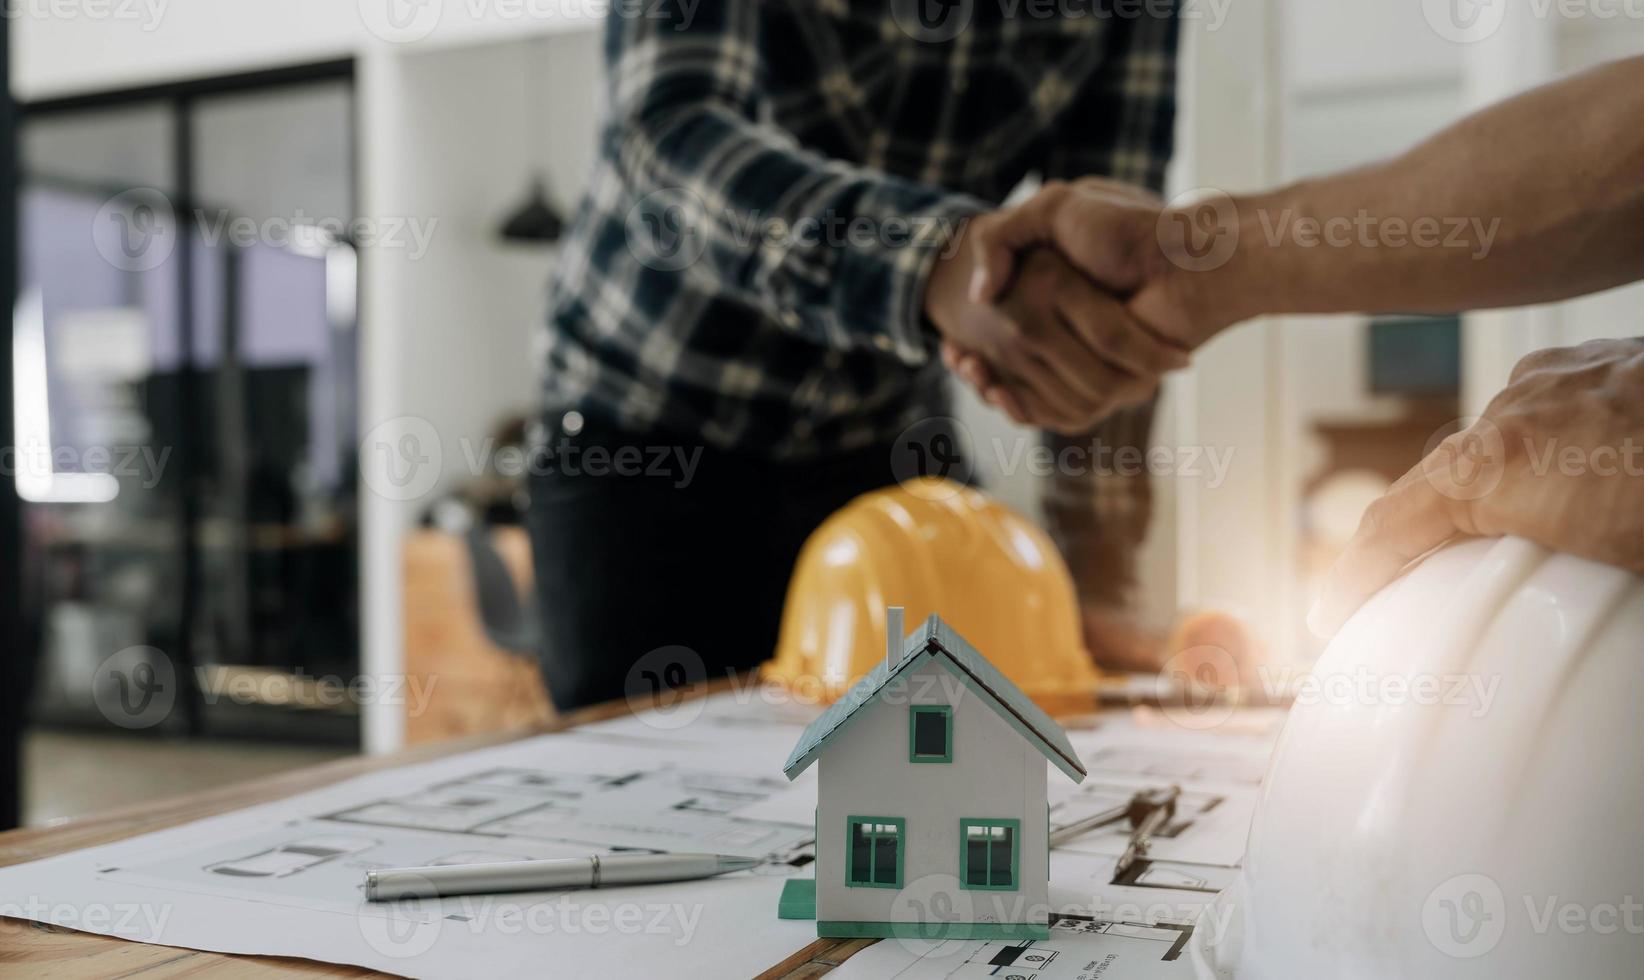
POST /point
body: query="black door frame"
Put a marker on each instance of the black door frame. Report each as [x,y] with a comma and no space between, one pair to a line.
[17,659]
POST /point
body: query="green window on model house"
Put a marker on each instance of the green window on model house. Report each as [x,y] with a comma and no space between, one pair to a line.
[875,852]
[930,733]
[988,854]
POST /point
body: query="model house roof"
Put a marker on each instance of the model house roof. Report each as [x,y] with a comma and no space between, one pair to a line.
[936,639]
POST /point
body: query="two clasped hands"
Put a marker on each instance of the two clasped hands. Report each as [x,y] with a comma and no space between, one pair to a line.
[1068,306]
[1073,304]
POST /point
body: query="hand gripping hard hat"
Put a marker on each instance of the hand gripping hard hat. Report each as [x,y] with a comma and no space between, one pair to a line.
[1460,796]
[932,546]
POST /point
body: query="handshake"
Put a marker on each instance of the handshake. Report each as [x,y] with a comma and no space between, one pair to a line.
[1069,306]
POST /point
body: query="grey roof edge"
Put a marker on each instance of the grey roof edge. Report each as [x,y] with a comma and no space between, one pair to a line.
[1056,749]
[1008,700]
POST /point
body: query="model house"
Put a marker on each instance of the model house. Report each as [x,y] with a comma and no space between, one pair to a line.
[931,818]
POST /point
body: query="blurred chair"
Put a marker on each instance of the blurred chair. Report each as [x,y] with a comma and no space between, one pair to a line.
[509,620]
[470,637]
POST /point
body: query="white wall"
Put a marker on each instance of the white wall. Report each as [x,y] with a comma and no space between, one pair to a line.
[473,307]
[1528,51]
[449,337]
[1229,537]
[145,41]
[1364,82]
[1343,44]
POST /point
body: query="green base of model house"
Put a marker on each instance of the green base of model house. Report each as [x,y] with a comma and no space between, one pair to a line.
[932,931]
[798,901]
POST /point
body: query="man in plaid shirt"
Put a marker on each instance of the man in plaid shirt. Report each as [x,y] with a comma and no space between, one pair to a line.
[765,262]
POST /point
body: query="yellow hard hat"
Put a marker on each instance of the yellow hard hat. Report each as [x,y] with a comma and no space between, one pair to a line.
[932,546]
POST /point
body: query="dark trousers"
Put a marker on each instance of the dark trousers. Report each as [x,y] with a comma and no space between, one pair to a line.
[639,555]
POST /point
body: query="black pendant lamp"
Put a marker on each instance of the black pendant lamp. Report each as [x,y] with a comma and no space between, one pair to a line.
[536,222]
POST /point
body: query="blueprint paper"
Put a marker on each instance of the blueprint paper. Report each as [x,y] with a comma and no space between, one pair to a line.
[1079,948]
[1099,930]
[1210,825]
[284,878]
[795,805]
[1134,926]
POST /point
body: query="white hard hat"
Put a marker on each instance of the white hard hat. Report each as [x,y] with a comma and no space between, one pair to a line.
[1460,793]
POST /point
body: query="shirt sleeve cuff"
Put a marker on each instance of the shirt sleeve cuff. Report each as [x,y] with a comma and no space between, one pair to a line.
[902,264]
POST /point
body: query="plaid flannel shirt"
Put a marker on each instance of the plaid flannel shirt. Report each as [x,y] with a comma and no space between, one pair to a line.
[775,181]
[777,177]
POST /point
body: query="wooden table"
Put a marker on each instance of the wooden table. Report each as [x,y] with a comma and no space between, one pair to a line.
[33,950]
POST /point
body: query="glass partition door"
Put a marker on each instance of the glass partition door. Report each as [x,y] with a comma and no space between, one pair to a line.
[185,374]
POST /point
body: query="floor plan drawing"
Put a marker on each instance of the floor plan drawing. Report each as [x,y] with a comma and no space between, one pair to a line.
[1175,765]
[660,809]
[1080,947]
[285,878]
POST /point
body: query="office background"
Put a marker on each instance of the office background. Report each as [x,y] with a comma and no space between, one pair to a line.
[248,549]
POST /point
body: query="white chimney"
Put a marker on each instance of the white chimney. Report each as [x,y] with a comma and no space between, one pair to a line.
[893,634]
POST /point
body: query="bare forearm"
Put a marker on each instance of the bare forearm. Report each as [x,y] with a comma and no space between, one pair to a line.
[1536,199]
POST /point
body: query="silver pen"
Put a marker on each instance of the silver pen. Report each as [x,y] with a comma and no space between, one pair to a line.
[594,871]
